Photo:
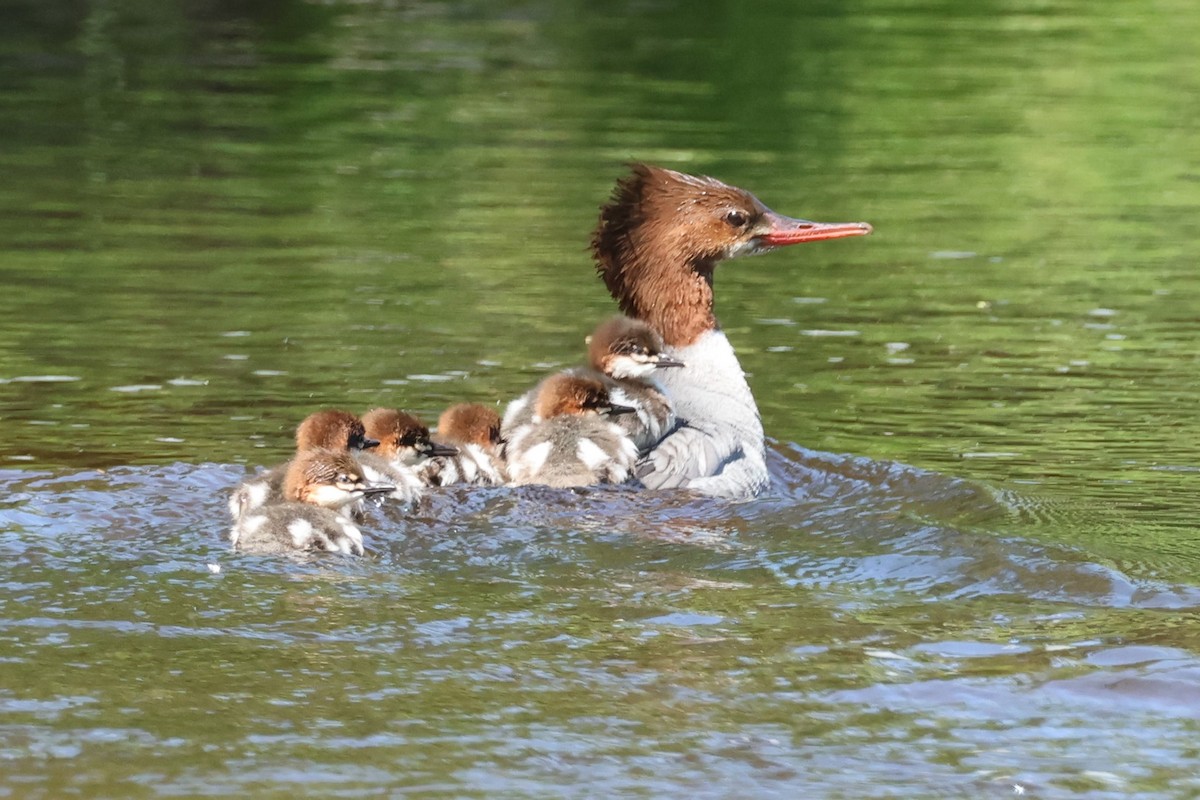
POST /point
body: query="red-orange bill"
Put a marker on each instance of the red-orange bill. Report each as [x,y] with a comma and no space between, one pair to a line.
[785,230]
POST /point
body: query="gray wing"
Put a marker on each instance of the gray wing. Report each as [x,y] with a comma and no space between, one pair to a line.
[682,456]
[694,459]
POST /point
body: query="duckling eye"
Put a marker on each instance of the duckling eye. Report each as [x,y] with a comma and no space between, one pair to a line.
[736,219]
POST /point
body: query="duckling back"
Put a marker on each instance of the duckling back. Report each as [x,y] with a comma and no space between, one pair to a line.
[570,450]
[290,527]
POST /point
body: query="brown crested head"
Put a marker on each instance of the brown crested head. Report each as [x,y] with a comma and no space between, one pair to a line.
[622,336]
[662,233]
[332,429]
[470,423]
[320,467]
[657,241]
[564,393]
[395,430]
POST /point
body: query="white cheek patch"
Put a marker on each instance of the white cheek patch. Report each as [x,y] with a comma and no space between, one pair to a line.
[409,456]
[591,454]
[632,367]
[645,369]
[623,367]
[301,531]
[329,496]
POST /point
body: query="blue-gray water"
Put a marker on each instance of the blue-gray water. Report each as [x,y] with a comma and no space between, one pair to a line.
[217,218]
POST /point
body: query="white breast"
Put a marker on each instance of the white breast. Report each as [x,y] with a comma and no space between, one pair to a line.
[718,448]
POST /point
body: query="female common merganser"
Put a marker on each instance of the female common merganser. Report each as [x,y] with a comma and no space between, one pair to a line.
[656,245]
[404,445]
[331,429]
[318,488]
[624,353]
[474,429]
[574,443]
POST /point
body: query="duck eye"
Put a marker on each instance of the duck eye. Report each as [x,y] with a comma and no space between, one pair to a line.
[736,219]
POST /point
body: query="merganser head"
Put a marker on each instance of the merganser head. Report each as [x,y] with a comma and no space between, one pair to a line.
[332,429]
[470,423]
[663,232]
[402,437]
[328,479]
[624,348]
[565,393]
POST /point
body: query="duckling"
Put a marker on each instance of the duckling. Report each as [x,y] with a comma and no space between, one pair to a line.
[474,429]
[331,429]
[574,442]
[404,445]
[319,486]
[624,353]
[628,352]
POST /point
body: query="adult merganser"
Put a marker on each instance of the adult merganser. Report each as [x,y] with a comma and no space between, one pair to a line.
[474,429]
[574,443]
[656,245]
[318,488]
[404,444]
[624,353]
[331,429]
